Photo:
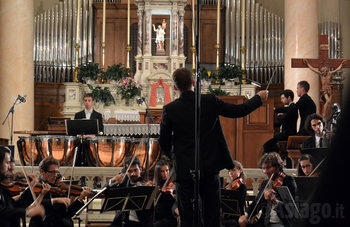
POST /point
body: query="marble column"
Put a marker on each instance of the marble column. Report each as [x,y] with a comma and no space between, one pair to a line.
[139,32]
[16,64]
[174,31]
[147,44]
[181,32]
[301,41]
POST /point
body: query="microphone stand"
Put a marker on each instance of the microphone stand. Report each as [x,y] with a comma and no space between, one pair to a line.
[196,171]
[12,111]
[149,119]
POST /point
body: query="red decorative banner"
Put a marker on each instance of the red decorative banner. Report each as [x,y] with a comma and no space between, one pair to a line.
[153,98]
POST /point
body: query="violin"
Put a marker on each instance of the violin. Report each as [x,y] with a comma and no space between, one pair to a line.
[168,189]
[278,181]
[235,184]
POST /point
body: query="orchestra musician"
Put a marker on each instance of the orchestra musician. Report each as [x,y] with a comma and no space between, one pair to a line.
[133,178]
[306,166]
[11,210]
[165,207]
[59,210]
[320,137]
[237,182]
[273,211]
[177,140]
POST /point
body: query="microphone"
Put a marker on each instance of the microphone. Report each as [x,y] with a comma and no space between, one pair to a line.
[22,98]
[140,100]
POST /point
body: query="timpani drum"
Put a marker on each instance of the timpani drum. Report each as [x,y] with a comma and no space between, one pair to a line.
[28,152]
[153,151]
[108,151]
[59,147]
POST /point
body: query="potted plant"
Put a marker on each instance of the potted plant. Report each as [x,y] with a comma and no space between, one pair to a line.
[88,72]
[229,72]
[128,88]
[102,95]
[115,72]
[218,91]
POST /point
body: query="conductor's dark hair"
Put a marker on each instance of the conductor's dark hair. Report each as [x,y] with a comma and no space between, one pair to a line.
[288,93]
[305,157]
[136,161]
[3,151]
[307,124]
[183,79]
[273,159]
[304,84]
[47,162]
[88,95]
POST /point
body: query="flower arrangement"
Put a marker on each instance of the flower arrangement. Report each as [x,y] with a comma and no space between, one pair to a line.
[102,95]
[128,88]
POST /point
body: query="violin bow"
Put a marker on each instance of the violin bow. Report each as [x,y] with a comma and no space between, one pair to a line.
[313,171]
[27,179]
[71,176]
[164,185]
[273,74]
[257,203]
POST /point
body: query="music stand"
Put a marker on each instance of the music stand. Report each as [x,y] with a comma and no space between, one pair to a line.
[317,153]
[81,127]
[294,144]
[130,198]
[230,201]
[288,202]
[306,187]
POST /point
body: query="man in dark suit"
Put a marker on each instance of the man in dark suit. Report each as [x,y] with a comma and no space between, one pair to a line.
[143,218]
[314,125]
[305,104]
[11,210]
[287,117]
[177,140]
[89,112]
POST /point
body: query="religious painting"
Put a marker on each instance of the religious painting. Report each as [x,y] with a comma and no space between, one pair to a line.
[160,35]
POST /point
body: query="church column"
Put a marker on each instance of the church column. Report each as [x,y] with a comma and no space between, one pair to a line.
[139,32]
[147,44]
[181,32]
[301,41]
[16,63]
[174,31]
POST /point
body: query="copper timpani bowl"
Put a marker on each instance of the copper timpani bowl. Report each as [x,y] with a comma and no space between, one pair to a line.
[105,151]
[57,146]
[28,152]
[141,154]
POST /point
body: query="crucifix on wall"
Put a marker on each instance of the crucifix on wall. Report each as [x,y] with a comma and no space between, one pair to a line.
[322,66]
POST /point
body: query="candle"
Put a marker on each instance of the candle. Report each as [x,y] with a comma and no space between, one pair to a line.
[78,22]
[104,22]
[193,25]
[243,36]
[128,29]
[218,24]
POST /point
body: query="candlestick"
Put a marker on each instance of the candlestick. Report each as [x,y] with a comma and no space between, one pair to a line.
[243,43]
[218,24]
[128,28]
[104,22]
[78,23]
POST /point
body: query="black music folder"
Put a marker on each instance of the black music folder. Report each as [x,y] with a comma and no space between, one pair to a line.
[306,187]
[81,127]
[130,198]
[230,200]
[317,153]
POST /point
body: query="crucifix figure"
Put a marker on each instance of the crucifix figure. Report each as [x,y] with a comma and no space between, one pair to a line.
[324,64]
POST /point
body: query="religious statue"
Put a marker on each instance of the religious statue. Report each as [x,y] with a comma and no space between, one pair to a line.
[325,78]
[160,32]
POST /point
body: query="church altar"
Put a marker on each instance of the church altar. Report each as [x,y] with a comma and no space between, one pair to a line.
[130,129]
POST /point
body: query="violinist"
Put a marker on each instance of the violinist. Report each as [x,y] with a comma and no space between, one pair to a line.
[306,165]
[165,207]
[59,210]
[273,212]
[237,182]
[11,210]
[132,178]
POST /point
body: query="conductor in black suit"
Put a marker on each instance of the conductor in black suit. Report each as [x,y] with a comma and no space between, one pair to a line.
[89,112]
[177,140]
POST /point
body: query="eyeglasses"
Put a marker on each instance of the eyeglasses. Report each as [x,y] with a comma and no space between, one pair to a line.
[306,166]
[53,172]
